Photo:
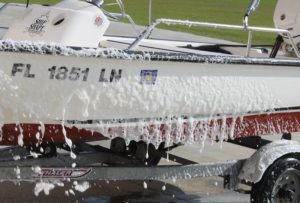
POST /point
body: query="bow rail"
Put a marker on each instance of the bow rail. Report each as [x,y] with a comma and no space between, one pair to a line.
[250,29]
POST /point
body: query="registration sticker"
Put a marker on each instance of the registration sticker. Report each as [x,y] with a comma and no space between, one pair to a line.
[148,77]
[98,21]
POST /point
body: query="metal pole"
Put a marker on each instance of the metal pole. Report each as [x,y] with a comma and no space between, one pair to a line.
[150,12]
[249,44]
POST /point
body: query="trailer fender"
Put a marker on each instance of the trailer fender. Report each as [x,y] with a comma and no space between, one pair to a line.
[255,167]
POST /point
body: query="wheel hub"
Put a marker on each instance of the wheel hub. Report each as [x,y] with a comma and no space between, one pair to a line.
[287,187]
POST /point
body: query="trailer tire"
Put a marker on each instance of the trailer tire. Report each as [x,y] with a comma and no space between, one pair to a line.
[281,181]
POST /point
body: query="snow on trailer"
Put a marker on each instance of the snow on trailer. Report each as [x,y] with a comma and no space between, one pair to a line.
[98,163]
[61,90]
[95,163]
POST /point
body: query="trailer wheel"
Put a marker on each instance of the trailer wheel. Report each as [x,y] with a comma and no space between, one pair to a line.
[280,183]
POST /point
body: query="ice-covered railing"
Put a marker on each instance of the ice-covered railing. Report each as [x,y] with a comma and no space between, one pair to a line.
[146,33]
[127,16]
[123,14]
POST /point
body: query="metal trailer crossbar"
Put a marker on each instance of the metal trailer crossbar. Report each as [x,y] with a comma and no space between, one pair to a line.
[273,170]
[90,167]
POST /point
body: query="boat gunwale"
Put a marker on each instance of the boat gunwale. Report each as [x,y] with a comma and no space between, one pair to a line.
[111,53]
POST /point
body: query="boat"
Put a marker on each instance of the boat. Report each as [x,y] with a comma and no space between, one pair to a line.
[66,80]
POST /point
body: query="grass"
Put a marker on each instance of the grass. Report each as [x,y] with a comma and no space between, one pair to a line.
[218,11]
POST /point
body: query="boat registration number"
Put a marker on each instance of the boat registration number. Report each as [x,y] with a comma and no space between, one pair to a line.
[67,73]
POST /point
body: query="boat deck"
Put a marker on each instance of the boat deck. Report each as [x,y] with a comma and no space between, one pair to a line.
[159,41]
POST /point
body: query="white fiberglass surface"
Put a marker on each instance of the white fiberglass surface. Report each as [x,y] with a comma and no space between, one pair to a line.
[33,91]
[197,91]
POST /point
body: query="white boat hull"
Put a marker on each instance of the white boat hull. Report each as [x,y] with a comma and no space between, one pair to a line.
[118,89]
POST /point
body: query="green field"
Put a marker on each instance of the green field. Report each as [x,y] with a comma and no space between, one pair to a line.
[218,11]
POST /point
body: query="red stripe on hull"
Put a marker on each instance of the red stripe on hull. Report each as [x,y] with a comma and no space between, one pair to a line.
[232,128]
[251,125]
[52,133]
[265,124]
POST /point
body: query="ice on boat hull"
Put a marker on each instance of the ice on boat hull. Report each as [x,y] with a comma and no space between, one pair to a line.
[151,90]
[142,95]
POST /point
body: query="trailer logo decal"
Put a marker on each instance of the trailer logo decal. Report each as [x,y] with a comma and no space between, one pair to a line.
[37,27]
[148,77]
[62,172]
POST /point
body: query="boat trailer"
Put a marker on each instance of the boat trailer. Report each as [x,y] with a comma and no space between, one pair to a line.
[95,162]
[266,171]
